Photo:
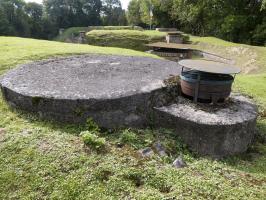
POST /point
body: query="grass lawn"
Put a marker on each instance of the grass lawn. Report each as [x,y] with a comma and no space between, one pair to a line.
[130,39]
[19,50]
[252,59]
[45,160]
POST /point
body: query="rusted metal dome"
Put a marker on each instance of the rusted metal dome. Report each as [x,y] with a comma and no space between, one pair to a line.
[208,81]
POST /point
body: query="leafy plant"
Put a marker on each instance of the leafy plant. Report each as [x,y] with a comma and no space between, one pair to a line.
[128,137]
[92,126]
[93,141]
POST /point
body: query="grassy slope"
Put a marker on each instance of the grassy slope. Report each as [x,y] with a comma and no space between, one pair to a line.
[19,50]
[254,83]
[67,34]
[130,39]
[40,160]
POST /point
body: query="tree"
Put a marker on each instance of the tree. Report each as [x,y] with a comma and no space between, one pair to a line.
[5,27]
[157,12]
[162,13]
[35,14]
[231,20]
[198,17]
[133,14]
[71,13]
[112,13]
[263,5]
[15,16]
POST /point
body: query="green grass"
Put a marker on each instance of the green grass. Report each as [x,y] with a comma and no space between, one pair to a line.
[15,50]
[129,39]
[252,59]
[115,28]
[213,41]
[253,85]
[45,160]
[254,82]
[74,31]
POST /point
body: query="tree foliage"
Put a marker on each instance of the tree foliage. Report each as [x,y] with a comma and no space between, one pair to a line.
[237,21]
[113,14]
[44,20]
[134,15]
[71,13]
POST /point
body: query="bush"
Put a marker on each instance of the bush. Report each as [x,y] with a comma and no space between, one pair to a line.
[93,141]
[92,126]
[128,137]
[68,33]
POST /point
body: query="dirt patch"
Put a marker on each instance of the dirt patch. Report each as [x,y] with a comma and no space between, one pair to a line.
[245,57]
[45,146]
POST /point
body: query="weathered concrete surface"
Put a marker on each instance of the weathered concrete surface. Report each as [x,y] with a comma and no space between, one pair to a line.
[122,91]
[216,131]
[116,91]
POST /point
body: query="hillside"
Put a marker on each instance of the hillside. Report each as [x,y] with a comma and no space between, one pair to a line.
[252,59]
[74,31]
[130,39]
[46,160]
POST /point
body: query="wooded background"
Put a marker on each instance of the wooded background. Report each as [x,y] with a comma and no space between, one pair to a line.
[242,21]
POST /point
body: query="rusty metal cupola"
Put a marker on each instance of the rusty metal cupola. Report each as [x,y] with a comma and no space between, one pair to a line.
[207,80]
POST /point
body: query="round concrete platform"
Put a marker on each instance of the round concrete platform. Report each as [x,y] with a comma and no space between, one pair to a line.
[114,90]
[214,130]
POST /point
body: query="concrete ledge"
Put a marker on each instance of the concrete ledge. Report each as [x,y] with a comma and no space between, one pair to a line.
[217,131]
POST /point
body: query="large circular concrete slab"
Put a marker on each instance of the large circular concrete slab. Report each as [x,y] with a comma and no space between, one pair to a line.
[89,77]
[114,90]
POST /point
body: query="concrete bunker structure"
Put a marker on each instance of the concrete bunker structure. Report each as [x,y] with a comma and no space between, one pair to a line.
[124,91]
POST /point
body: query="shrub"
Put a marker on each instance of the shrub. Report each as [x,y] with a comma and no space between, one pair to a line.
[92,126]
[128,137]
[93,141]
[69,33]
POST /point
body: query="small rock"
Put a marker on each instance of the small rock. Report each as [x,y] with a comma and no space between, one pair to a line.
[26,132]
[120,145]
[160,149]
[179,162]
[2,131]
[2,134]
[147,152]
